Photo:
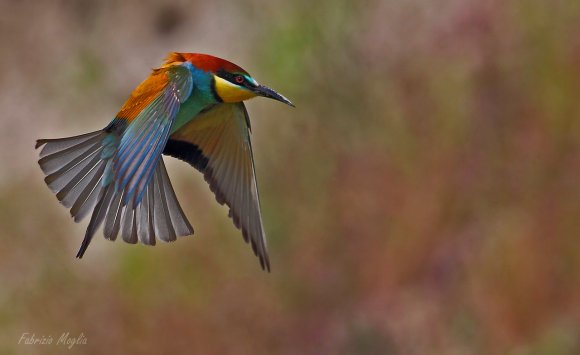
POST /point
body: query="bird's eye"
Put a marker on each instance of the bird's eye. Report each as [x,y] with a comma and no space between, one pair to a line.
[239,79]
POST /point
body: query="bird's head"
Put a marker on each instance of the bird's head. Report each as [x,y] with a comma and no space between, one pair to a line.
[235,86]
[230,82]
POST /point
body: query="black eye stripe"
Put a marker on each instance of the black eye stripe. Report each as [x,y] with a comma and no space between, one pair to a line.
[231,77]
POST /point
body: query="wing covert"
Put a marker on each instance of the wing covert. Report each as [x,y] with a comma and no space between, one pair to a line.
[146,134]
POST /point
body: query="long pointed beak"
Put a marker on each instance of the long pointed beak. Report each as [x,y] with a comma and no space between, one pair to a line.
[265,91]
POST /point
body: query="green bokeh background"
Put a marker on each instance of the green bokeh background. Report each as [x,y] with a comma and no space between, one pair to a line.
[422,198]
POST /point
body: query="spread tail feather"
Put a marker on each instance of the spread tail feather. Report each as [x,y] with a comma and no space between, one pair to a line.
[77,170]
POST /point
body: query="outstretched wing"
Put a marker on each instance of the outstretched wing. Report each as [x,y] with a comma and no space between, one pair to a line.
[149,113]
[118,172]
[217,143]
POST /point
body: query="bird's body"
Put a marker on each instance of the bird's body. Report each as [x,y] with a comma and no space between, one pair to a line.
[190,108]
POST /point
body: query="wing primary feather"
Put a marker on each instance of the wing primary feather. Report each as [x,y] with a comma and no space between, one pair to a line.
[222,136]
[237,192]
[53,165]
[53,159]
[113,219]
[92,179]
[247,206]
[261,238]
[128,224]
[150,203]
[71,172]
[134,236]
[180,223]
[162,220]
[60,144]
[85,207]
[50,177]
[97,217]
[70,192]
[145,225]
[214,167]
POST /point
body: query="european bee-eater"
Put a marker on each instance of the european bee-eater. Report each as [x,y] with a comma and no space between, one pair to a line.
[190,108]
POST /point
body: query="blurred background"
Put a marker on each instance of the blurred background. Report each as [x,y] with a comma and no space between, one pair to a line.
[422,198]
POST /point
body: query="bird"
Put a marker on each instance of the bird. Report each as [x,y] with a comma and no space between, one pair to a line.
[190,108]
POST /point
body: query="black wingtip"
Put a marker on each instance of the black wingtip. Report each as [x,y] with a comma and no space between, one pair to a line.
[81,251]
[265,264]
[39,143]
[84,246]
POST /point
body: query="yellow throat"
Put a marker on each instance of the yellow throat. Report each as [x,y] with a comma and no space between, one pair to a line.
[229,92]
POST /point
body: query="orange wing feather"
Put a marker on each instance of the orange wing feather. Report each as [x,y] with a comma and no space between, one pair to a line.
[142,96]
